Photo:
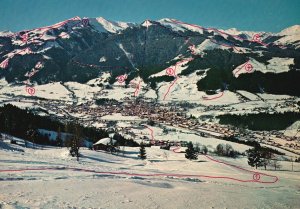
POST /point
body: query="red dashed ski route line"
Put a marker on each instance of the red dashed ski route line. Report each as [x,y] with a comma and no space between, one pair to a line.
[193,51]
[136,92]
[255,178]
[25,37]
[224,33]
[51,27]
[173,73]
[5,62]
[214,96]
[241,67]
[244,66]
[256,175]
[137,87]
[192,48]
[151,133]
[202,28]
[169,88]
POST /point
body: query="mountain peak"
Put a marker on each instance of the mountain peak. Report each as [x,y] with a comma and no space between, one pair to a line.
[295,29]
[113,26]
[6,33]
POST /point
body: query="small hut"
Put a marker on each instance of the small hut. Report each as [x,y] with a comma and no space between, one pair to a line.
[104,144]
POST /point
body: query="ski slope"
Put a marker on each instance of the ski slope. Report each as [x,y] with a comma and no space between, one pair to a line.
[49,178]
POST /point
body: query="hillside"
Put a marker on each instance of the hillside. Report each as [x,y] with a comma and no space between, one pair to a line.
[82,49]
[124,180]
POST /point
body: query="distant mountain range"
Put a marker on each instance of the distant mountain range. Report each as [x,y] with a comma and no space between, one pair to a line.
[82,49]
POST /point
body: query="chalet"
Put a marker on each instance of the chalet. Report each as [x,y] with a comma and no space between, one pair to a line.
[104,144]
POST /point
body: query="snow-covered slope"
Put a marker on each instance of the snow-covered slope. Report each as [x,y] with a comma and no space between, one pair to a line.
[290,35]
[84,49]
[293,130]
[125,181]
[276,65]
[104,25]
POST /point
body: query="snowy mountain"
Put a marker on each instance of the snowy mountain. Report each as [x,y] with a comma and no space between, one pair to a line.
[291,36]
[83,49]
[103,25]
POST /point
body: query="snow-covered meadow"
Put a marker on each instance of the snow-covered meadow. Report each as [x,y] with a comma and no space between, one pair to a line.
[103,180]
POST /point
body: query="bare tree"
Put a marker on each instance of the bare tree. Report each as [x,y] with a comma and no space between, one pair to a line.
[228,149]
[266,158]
[275,164]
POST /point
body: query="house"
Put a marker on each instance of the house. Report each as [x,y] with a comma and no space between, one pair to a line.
[104,144]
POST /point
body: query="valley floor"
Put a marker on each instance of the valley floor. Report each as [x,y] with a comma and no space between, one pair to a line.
[67,183]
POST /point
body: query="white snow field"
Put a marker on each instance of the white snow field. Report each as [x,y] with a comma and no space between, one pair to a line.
[103,180]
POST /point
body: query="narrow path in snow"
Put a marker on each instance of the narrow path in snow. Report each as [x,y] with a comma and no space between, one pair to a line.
[74,98]
[257,177]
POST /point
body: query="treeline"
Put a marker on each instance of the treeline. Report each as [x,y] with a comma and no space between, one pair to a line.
[225,150]
[122,141]
[252,144]
[225,61]
[261,121]
[274,83]
[19,122]
[104,101]
[262,157]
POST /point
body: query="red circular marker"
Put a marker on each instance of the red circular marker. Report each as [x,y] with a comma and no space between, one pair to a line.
[248,67]
[30,90]
[121,78]
[256,38]
[256,177]
[85,22]
[24,37]
[170,71]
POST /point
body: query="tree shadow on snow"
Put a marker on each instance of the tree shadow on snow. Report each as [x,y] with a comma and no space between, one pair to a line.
[97,159]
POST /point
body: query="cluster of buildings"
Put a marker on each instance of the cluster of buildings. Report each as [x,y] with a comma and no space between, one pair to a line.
[169,114]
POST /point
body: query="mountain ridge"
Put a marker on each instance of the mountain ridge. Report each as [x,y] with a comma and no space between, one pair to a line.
[235,30]
[81,49]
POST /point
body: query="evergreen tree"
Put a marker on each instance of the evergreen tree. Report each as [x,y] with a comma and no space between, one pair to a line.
[153,85]
[78,139]
[197,148]
[142,154]
[204,150]
[220,149]
[74,150]
[254,157]
[190,152]
[74,141]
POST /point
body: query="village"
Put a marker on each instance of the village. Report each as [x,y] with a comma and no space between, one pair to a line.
[169,115]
